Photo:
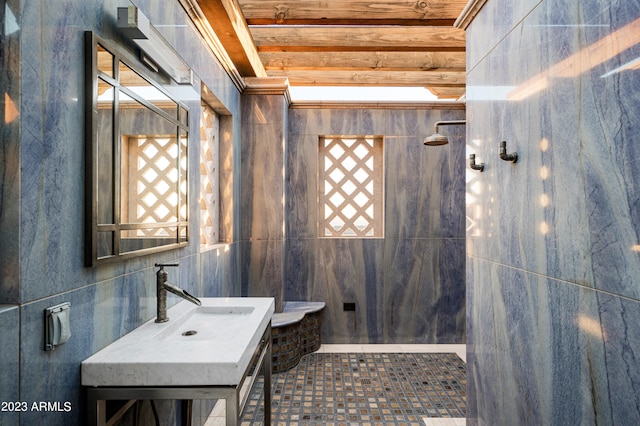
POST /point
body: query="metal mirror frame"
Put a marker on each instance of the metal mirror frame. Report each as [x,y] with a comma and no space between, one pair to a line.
[92,160]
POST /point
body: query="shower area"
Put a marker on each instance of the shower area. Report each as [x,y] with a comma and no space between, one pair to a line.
[403,283]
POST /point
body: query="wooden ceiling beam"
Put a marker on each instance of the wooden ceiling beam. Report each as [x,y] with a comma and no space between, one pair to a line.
[358,38]
[372,78]
[288,11]
[382,61]
[356,21]
[228,23]
[344,42]
[447,92]
[364,48]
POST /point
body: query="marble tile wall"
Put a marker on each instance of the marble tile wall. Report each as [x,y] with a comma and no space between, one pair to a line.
[554,240]
[9,362]
[497,21]
[42,194]
[9,151]
[264,133]
[408,286]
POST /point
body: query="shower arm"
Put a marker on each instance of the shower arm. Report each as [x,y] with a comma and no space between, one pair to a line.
[447,123]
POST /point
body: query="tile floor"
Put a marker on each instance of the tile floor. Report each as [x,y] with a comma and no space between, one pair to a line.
[216,418]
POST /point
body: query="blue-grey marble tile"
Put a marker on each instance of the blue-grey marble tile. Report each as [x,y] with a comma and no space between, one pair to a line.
[305,121]
[543,351]
[496,19]
[263,182]
[569,212]
[52,150]
[359,121]
[9,362]
[301,182]
[409,290]
[348,271]
[422,297]
[52,147]
[10,152]
[548,347]
[418,122]
[264,109]
[262,269]
[99,314]
[43,195]
[405,124]
[262,166]
[219,271]
[300,268]
[424,219]
[424,187]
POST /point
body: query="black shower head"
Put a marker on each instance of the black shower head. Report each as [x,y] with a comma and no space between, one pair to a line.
[437,139]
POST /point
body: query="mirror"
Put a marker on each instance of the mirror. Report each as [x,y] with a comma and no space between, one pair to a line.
[136,158]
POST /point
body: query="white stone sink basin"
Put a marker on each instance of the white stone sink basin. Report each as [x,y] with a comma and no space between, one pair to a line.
[206,323]
[227,333]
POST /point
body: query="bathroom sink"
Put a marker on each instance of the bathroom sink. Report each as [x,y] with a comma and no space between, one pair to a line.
[207,323]
[203,345]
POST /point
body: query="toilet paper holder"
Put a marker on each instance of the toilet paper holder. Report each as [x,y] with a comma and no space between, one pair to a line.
[57,327]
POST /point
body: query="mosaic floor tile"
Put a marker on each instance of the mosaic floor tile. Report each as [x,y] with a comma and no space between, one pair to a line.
[364,389]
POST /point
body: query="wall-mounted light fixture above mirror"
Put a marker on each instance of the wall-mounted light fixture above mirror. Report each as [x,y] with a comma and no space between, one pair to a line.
[136,159]
[155,49]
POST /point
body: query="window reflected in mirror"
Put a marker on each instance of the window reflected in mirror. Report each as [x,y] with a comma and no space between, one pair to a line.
[105,61]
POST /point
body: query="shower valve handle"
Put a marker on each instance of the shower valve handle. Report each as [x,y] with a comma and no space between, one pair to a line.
[513,157]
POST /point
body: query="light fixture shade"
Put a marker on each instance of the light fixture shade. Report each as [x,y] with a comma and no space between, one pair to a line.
[134,24]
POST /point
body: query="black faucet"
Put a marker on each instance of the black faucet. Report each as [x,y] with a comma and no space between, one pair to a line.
[162,286]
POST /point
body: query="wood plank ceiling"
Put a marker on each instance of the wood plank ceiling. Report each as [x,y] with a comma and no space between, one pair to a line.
[345,42]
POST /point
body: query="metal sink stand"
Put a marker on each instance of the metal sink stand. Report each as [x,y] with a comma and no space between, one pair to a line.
[97,397]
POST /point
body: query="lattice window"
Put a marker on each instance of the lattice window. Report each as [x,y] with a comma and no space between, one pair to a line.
[209,176]
[152,171]
[350,186]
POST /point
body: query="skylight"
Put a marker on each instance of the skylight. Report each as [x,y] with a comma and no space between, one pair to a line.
[362,93]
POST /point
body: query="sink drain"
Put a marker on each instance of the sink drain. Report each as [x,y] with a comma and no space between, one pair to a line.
[189,333]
